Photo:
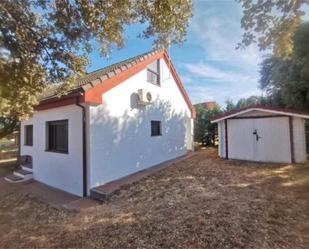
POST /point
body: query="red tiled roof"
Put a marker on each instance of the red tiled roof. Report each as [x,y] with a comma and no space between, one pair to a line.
[99,75]
[90,88]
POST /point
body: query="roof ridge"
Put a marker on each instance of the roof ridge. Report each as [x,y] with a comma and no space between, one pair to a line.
[125,60]
[100,74]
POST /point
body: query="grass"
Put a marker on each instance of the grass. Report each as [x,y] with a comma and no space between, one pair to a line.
[203,202]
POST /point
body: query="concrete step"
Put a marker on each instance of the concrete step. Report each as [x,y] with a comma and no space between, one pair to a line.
[27,167]
[98,195]
[27,175]
[102,195]
[14,178]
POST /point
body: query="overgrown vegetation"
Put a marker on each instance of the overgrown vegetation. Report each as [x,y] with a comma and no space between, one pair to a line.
[286,81]
[205,132]
[47,42]
[271,24]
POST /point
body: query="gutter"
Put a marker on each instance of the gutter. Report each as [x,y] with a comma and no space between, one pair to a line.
[84,146]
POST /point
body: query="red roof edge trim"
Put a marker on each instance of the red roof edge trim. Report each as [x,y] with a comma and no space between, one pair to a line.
[58,102]
[94,95]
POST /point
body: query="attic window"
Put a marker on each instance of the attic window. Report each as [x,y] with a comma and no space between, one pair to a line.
[153,73]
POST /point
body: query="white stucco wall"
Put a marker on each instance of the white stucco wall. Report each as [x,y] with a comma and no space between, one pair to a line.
[120,140]
[63,171]
[221,135]
[299,140]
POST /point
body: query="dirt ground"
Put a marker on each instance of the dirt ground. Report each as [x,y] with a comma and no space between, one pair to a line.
[203,202]
[7,166]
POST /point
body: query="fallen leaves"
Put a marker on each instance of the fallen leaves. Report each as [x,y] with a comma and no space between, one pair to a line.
[203,202]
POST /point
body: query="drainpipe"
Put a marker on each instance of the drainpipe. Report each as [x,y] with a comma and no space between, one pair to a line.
[84,147]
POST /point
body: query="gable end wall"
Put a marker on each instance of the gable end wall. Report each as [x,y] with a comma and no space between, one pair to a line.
[120,139]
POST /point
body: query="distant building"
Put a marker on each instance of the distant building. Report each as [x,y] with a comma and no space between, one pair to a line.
[208,104]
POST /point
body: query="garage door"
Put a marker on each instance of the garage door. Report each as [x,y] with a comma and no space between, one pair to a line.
[259,139]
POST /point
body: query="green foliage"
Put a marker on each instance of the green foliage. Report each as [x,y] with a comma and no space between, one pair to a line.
[245,102]
[271,24]
[47,42]
[287,81]
[204,131]
[229,105]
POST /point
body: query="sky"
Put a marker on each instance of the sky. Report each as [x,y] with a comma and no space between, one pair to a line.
[210,67]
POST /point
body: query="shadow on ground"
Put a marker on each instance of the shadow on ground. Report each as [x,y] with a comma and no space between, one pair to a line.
[203,202]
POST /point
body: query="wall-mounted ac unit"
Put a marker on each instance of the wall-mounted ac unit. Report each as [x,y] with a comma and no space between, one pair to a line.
[144,97]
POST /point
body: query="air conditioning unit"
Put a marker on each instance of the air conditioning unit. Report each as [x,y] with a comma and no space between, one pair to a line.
[144,97]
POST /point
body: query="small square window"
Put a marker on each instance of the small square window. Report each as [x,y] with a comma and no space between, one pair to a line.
[156,128]
[29,135]
[57,136]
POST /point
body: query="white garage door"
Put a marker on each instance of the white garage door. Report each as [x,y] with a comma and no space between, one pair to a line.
[259,139]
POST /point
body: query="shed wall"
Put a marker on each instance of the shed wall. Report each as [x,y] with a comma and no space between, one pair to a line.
[299,140]
[221,135]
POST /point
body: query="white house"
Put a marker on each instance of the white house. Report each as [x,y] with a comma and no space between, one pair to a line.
[116,121]
[263,134]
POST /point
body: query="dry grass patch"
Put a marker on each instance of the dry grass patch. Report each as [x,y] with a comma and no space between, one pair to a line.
[203,202]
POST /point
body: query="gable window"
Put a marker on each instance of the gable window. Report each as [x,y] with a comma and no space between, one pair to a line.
[153,72]
[156,128]
[57,136]
[29,135]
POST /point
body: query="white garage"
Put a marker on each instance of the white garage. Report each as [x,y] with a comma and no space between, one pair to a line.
[263,134]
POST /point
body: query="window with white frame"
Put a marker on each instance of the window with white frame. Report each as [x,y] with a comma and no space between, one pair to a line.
[153,73]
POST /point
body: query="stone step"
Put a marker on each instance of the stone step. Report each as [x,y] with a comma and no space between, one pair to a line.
[98,195]
[23,173]
[14,178]
[27,167]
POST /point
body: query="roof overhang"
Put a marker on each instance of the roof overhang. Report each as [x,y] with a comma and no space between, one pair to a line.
[92,92]
[269,110]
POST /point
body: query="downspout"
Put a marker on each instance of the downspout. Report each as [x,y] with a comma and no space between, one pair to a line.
[84,146]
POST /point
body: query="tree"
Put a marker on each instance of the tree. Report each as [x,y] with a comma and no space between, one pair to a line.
[204,131]
[287,81]
[229,105]
[47,42]
[250,101]
[271,24]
